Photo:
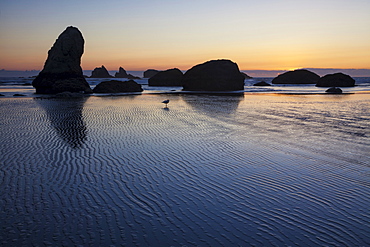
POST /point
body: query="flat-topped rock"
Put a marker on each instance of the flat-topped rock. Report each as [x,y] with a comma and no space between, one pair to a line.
[336,80]
[150,72]
[170,77]
[300,76]
[214,75]
[62,70]
[115,86]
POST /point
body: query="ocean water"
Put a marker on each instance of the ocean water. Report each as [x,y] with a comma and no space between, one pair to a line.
[22,85]
[289,167]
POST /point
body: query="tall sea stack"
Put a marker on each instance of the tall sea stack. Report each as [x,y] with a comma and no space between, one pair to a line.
[62,70]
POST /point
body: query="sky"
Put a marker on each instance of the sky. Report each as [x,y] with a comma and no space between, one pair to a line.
[163,34]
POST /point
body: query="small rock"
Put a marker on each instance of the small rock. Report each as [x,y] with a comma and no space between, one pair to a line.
[261,83]
[334,90]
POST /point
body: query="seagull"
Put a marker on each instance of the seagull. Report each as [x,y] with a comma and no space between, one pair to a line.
[166,102]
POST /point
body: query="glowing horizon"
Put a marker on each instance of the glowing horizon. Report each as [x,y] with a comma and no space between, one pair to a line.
[140,35]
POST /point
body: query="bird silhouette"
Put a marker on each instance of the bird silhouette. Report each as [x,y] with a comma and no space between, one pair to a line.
[166,102]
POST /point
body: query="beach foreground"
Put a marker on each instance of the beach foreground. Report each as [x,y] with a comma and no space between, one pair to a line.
[248,170]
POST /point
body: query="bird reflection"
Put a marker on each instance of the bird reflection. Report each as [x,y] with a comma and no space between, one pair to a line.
[65,115]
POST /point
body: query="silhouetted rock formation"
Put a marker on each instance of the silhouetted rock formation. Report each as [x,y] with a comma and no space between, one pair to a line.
[336,80]
[170,77]
[114,86]
[62,71]
[215,75]
[121,73]
[300,76]
[100,72]
[132,77]
[246,76]
[261,84]
[336,90]
[150,72]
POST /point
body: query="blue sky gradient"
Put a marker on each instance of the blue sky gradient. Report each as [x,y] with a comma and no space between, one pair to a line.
[163,34]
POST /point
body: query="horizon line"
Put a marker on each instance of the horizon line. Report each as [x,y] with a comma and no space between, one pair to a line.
[329,68]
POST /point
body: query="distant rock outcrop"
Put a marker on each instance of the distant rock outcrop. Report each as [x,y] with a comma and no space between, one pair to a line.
[300,76]
[100,72]
[261,84]
[214,75]
[336,90]
[246,76]
[121,73]
[150,72]
[62,70]
[115,86]
[170,77]
[336,80]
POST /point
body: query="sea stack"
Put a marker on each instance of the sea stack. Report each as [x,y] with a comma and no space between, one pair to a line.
[62,71]
[170,77]
[336,80]
[121,73]
[214,75]
[299,76]
[150,72]
[115,86]
[100,72]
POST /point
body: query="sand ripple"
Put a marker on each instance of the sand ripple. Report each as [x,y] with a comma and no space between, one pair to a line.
[210,171]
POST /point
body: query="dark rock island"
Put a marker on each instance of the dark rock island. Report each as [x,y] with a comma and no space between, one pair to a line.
[214,75]
[246,76]
[170,77]
[300,76]
[336,80]
[335,90]
[115,86]
[100,72]
[150,72]
[62,70]
[261,84]
[123,74]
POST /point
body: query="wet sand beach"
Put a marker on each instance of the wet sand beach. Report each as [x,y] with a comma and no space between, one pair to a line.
[226,170]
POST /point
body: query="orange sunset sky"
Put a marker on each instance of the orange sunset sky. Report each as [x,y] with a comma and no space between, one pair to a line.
[143,34]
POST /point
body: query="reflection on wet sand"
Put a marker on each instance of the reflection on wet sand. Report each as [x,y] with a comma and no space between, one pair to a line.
[214,105]
[65,115]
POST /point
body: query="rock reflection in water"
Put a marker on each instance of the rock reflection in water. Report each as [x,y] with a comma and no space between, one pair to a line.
[65,115]
[214,105]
